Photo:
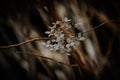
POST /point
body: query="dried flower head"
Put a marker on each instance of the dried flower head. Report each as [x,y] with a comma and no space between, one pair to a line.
[60,40]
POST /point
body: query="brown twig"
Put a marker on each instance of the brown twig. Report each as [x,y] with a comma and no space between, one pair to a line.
[27,41]
[96,27]
[37,39]
[36,54]
[43,57]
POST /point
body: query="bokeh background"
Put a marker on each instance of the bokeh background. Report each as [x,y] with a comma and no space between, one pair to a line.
[96,58]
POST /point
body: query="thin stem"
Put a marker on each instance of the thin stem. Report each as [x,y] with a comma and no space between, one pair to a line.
[43,57]
[38,39]
[95,27]
[27,41]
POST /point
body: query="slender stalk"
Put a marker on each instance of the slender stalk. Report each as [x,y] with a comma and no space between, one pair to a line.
[38,39]
[47,58]
[95,27]
[27,41]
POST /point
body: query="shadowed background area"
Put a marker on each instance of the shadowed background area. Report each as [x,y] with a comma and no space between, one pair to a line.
[96,58]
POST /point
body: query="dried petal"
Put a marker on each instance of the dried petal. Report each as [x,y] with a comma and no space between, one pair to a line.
[47,32]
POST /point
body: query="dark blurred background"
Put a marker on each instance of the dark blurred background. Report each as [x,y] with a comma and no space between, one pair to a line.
[21,20]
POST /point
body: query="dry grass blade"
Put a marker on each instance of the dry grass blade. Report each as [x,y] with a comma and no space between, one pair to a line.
[38,39]
[96,27]
[27,41]
[47,58]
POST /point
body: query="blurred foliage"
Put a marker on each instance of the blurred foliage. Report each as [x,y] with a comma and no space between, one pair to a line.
[22,20]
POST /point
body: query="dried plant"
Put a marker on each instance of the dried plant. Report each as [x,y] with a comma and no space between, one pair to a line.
[58,40]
